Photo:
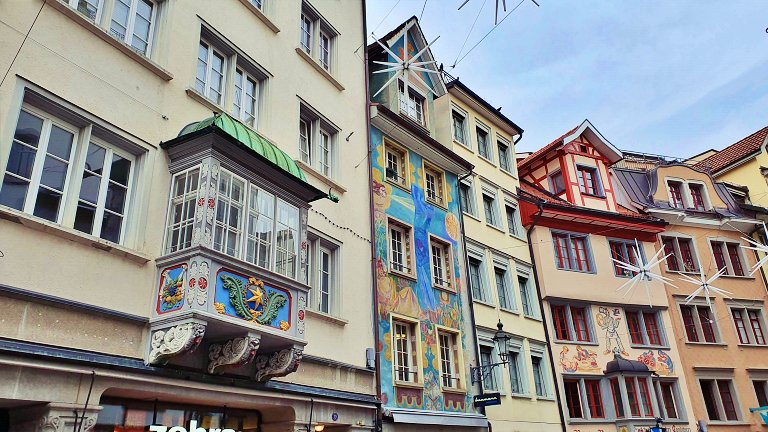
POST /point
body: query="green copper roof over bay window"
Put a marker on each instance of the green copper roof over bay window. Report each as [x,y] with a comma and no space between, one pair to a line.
[250,139]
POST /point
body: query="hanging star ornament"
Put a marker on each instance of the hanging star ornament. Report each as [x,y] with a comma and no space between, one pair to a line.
[642,273]
[759,247]
[496,18]
[403,66]
[705,287]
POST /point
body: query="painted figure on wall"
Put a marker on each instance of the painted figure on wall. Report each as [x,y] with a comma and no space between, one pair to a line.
[662,364]
[583,361]
[609,322]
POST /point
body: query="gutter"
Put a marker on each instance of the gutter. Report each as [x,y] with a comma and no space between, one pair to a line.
[372,224]
[469,289]
[541,308]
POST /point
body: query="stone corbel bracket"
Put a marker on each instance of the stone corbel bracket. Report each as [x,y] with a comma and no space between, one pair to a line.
[277,364]
[175,340]
[234,352]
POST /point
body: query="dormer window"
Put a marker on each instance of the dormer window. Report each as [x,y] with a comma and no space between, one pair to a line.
[697,197]
[588,180]
[411,104]
[556,183]
[676,194]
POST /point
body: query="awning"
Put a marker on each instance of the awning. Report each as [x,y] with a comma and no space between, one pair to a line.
[437,418]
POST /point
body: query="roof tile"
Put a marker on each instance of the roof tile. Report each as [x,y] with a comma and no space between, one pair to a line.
[734,152]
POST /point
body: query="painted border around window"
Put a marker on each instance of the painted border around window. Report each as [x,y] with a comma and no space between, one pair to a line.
[405,159]
[459,353]
[416,326]
[449,262]
[426,165]
[406,254]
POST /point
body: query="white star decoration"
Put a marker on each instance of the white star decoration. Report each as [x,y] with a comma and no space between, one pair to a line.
[643,272]
[705,287]
[496,19]
[404,66]
[759,247]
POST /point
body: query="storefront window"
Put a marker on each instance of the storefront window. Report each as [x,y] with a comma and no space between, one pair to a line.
[124,415]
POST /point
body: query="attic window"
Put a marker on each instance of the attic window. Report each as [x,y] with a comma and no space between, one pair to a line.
[583,148]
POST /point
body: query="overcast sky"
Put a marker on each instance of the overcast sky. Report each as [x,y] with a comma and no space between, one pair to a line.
[667,77]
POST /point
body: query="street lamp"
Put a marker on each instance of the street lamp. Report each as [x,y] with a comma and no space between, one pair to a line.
[501,340]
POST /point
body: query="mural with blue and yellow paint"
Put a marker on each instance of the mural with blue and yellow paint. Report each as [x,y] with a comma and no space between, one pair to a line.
[251,299]
[418,299]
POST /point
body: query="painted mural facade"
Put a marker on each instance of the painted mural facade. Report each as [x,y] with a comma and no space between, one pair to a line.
[415,297]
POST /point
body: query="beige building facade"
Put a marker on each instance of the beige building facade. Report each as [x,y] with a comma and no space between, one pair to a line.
[152,276]
[498,261]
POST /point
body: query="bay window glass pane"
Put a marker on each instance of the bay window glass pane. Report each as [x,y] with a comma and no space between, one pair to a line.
[182,212]
[120,13]
[142,26]
[261,213]
[287,239]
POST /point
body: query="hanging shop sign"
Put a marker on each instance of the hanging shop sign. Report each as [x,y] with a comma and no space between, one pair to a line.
[487,399]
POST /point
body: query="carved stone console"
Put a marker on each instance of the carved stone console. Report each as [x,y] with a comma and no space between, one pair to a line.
[175,340]
[234,352]
[277,364]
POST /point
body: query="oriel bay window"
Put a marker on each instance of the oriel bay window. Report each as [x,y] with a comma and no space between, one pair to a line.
[572,252]
[73,173]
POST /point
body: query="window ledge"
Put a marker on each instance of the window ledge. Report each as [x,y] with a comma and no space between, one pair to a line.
[211,105]
[650,347]
[574,342]
[741,345]
[486,160]
[517,236]
[71,234]
[593,195]
[436,204]
[327,317]
[398,185]
[402,274]
[728,423]
[101,33]
[484,303]
[546,398]
[533,317]
[319,68]
[508,172]
[508,310]
[716,344]
[320,176]
[409,385]
[256,11]
[727,276]
[496,228]
[471,216]
[443,288]
[454,390]
[466,146]
[521,396]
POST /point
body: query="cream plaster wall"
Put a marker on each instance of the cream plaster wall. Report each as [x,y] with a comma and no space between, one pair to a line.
[518,412]
[684,173]
[64,58]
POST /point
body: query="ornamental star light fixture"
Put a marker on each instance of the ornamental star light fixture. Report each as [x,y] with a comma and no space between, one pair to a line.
[496,18]
[642,272]
[759,247]
[403,66]
[705,286]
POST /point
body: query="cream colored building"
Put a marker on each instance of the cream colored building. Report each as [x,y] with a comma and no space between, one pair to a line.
[499,266]
[127,244]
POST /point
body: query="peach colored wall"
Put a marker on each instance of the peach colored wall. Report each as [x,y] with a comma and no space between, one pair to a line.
[682,172]
[728,354]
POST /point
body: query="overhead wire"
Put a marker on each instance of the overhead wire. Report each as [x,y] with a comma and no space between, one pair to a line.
[470,32]
[488,34]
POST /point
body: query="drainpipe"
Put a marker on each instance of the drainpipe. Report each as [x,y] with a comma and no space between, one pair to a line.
[541,307]
[374,298]
[519,137]
[469,290]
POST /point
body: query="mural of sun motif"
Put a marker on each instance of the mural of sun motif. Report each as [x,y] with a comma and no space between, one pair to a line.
[452,226]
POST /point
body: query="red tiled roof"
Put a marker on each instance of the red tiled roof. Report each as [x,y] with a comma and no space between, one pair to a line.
[551,146]
[734,152]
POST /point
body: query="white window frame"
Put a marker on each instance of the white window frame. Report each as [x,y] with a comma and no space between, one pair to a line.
[325,52]
[454,361]
[226,200]
[305,34]
[406,232]
[239,111]
[471,204]
[441,264]
[457,112]
[403,161]
[311,38]
[84,132]
[323,139]
[413,350]
[413,105]
[130,25]
[318,246]
[206,83]
[439,186]
[99,9]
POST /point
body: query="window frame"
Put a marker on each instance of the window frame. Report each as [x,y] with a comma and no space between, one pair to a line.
[530,294]
[404,162]
[487,346]
[642,315]
[99,10]
[479,256]
[464,121]
[540,352]
[659,385]
[721,249]
[406,231]
[439,183]
[748,323]
[628,255]
[597,184]
[456,362]
[677,253]
[553,183]
[514,226]
[319,28]
[85,130]
[414,97]
[317,245]
[492,193]
[322,160]
[446,260]
[516,357]
[468,206]
[487,155]
[510,305]
[131,23]
[508,155]
[695,306]
[716,398]
[573,259]
[573,331]
[586,399]
[413,346]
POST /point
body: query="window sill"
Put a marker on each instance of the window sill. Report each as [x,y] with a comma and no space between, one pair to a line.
[575,342]
[593,195]
[454,390]
[211,105]
[256,11]
[508,310]
[45,226]
[649,347]
[517,236]
[533,317]
[320,176]
[728,423]
[449,290]
[577,271]
[715,344]
[484,303]
[436,204]
[508,172]
[106,37]
[471,216]
[406,384]
[727,276]
[741,345]
[402,274]
[487,160]
[546,398]
[400,186]
[496,228]
[327,317]
[521,396]
[319,68]
[466,146]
